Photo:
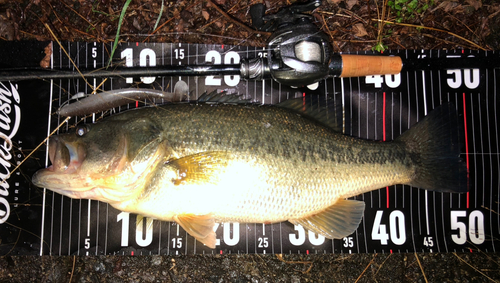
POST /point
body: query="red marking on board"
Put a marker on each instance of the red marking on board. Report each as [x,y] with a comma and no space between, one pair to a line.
[137,44]
[383,138]
[466,147]
[136,104]
[304,101]
[220,251]
[307,251]
[132,253]
[383,118]
[390,251]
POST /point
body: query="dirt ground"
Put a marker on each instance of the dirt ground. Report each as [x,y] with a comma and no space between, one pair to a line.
[352,25]
[434,267]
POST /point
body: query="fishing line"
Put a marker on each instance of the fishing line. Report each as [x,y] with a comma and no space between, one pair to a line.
[36,148]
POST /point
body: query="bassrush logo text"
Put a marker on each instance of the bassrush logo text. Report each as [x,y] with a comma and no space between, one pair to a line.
[10,118]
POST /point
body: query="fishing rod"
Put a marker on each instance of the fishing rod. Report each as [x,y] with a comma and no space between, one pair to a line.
[298,54]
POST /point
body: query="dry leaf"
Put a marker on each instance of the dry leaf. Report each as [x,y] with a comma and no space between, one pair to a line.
[205,15]
[350,3]
[475,3]
[359,30]
[446,6]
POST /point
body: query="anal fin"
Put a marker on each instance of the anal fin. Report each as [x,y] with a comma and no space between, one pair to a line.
[201,227]
[335,222]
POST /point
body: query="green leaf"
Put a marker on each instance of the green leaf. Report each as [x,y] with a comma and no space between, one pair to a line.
[115,43]
[159,16]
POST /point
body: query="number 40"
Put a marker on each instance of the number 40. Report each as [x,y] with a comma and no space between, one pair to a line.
[396,227]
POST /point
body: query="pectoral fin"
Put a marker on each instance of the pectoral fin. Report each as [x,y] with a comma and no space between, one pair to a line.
[199,168]
[337,221]
[199,226]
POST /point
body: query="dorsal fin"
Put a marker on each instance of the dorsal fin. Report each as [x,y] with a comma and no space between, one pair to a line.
[222,97]
[324,110]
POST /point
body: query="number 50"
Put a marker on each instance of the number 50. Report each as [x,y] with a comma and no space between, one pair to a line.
[476,227]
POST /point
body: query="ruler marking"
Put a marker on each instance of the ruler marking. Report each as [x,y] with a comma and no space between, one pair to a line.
[255,237]
[106,230]
[70,223]
[426,194]
[44,195]
[481,148]
[467,142]
[497,141]
[384,139]
[281,238]
[88,217]
[438,245]
[246,237]
[434,193]
[481,145]
[490,158]
[62,207]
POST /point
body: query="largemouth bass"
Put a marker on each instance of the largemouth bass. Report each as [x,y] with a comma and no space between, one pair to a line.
[199,163]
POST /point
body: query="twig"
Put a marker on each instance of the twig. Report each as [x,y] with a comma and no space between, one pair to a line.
[78,14]
[14,245]
[421,268]
[247,28]
[383,263]
[490,209]
[366,268]
[334,42]
[473,267]
[280,257]
[26,231]
[72,269]
[430,28]
[65,52]
[411,25]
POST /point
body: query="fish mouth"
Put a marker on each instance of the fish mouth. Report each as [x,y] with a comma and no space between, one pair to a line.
[64,156]
[66,159]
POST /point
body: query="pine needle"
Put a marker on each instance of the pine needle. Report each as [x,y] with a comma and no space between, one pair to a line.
[421,268]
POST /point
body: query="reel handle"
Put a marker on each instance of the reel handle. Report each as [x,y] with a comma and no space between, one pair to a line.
[364,65]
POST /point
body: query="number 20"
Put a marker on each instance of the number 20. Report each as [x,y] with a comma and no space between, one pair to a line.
[229,58]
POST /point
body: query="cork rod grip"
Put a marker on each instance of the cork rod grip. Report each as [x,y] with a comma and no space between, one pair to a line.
[366,65]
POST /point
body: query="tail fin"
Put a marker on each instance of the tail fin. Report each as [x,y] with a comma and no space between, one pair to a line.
[434,143]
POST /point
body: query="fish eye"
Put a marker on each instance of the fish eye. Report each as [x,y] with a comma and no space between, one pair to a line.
[82,130]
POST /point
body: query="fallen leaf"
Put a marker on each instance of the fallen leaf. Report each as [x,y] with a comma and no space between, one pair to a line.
[446,6]
[205,15]
[475,3]
[359,30]
[351,3]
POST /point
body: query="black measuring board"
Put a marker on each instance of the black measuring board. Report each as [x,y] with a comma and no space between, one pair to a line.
[397,218]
